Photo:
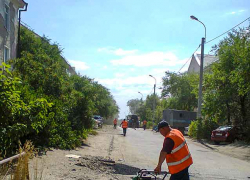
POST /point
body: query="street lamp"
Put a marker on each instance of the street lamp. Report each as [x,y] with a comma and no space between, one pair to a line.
[141,95]
[201,68]
[154,100]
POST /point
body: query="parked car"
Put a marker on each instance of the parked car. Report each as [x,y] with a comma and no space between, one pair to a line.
[98,120]
[186,131]
[223,134]
[155,128]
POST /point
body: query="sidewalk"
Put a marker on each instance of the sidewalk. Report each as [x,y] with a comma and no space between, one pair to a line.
[238,149]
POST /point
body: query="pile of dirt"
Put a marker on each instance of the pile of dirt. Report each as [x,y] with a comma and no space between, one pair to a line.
[97,163]
[108,168]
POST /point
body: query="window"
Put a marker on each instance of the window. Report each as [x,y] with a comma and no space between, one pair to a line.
[7,17]
[6,54]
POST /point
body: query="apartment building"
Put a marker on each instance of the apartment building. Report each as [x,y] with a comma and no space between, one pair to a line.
[9,21]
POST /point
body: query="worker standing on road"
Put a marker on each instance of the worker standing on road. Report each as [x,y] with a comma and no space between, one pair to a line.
[144,124]
[134,123]
[115,123]
[124,125]
[175,151]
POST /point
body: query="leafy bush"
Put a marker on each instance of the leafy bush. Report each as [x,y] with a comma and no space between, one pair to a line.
[201,129]
[192,131]
[18,118]
[41,102]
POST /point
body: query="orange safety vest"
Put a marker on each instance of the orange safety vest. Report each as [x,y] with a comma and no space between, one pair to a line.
[124,124]
[144,122]
[180,157]
[115,121]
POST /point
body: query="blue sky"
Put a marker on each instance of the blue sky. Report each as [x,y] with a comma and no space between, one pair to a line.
[121,42]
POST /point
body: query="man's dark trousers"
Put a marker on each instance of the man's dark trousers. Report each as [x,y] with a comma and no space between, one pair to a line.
[124,131]
[182,175]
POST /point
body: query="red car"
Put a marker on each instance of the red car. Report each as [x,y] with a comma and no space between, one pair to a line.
[223,134]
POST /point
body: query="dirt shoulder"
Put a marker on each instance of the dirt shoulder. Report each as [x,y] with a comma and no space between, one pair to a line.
[104,156]
[110,156]
[238,149]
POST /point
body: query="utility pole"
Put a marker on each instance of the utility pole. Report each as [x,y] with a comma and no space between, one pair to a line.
[201,78]
[154,101]
[201,67]
[154,106]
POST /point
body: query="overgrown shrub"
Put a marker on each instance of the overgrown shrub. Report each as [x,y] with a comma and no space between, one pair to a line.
[192,131]
[41,102]
[201,129]
[18,118]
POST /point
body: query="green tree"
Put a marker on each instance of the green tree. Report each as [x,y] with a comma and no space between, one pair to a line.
[182,90]
[227,88]
[42,103]
[134,105]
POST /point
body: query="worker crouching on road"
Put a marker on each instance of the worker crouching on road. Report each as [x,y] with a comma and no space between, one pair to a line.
[175,151]
[124,125]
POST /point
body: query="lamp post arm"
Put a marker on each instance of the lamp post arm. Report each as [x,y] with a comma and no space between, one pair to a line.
[205,29]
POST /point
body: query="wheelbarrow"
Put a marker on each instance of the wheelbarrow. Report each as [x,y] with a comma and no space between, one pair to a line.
[144,174]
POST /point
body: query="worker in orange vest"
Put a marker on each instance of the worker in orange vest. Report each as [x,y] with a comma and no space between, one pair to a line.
[124,125]
[175,151]
[115,123]
[144,124]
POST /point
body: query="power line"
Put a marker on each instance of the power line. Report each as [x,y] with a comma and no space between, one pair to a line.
[213,40]
[227,31]
[189,58]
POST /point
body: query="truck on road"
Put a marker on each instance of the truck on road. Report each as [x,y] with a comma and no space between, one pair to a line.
[179,119]
[133,121]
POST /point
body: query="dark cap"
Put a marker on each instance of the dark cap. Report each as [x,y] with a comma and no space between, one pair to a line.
[162,124]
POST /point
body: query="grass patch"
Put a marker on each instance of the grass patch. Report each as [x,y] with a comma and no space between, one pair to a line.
[93,132]
[18,169]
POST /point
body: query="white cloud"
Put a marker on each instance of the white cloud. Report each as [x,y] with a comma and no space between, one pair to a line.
[159,71]
[237,12]
[118,52]
[124,89]
[118,81]
[150,59]
[119,75]
[79,65]
[105,67]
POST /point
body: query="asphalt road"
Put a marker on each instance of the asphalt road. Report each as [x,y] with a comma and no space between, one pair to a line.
[208,164]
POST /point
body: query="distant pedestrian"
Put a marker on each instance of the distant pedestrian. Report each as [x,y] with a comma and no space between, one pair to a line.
[144,124]
[134,123]
[115,123]
[124,125]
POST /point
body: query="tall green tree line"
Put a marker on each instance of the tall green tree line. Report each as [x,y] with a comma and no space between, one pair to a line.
[41,102]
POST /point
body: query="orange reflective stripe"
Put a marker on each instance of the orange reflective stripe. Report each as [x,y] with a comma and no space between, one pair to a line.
[178,148]
[179,162]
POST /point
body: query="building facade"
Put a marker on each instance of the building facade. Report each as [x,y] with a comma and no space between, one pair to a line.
[9,10]
[194,66]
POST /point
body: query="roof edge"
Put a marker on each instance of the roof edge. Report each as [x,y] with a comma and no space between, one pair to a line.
[22,3]
[196,58]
